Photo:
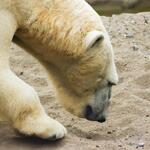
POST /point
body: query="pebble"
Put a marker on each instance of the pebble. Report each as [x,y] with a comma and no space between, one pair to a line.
[135,47]
[146,20]
[88,137]
[21,73]
[140,145]
[109,132]
[119,145]
[129,35]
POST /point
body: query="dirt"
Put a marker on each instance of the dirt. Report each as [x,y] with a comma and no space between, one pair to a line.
[128,124]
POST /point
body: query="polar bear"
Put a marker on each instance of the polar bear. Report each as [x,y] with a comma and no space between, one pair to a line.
[69,39]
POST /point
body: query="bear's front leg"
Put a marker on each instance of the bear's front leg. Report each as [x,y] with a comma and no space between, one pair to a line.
[19,103]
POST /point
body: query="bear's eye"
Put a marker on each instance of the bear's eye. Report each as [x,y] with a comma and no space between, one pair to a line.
[111,83]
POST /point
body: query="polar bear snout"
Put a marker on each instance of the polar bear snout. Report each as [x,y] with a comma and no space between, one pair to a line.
[92,116]
[97,108]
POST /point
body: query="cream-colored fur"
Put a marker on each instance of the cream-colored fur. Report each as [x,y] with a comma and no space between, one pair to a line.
[60,33]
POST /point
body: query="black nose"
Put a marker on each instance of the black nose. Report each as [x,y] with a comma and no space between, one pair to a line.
[88,112]
[102,119]
[90,115]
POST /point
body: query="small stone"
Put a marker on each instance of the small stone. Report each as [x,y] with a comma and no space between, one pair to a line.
[135,47]
[145,20]
[132,21]
[140,145]
[21,73]
[88,137]
[97,146]
[129,35]
[109,132]
[119,145]
[147,115]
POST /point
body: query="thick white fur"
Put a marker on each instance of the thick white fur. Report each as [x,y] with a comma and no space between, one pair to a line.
[19,103]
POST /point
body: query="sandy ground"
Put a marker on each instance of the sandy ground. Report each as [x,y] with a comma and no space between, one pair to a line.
[128,123]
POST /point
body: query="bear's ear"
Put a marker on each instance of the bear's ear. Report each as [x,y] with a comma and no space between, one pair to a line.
[93,38]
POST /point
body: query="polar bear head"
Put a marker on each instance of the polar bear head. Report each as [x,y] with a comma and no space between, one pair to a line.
[81,60]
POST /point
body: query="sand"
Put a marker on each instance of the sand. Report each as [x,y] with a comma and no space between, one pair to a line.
[128,124]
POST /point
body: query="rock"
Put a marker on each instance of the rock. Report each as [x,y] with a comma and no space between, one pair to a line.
[109,132]
[140,145]
[21,73]
[135,47]
[128,35]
